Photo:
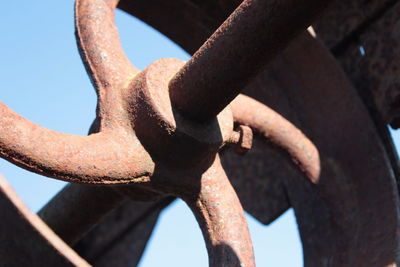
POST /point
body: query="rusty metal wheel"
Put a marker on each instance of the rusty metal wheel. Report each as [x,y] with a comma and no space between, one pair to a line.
[347,209]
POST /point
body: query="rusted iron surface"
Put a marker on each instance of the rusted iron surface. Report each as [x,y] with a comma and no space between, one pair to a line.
[335,218]
[344,20]
[361,62]
[280,132]
[250,37]
[189,25]
[99,158]
[359,22]
[242,139]
[143,139]
[26,240]
[105,61]
[372,64]
[295,84]
[138,110]
[322,105]
[163,131]
[201,18]
[216,201]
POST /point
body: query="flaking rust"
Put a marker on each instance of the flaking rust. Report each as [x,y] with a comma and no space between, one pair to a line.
[153,137]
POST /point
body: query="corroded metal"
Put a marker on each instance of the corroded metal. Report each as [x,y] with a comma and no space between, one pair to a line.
[143,137]
[364,40]
[249,38]
[341,219]
[280,132]
[346,19]
[335,223]
[242,139]
[140,138]
[305,85]
[372,63]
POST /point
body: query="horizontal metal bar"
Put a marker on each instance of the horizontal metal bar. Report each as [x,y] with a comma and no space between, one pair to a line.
[252,36]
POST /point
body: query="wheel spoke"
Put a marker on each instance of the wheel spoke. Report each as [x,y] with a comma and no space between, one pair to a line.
[221,218]
[102,158]
[103,56]
[280,132]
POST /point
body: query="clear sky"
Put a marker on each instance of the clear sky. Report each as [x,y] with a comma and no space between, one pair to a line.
[43,79]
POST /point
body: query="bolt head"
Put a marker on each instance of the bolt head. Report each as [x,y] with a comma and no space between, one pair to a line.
[245,141]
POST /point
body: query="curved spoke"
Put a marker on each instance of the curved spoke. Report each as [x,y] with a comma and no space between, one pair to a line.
[279,131]
[101,51]
[96,159]
[221,218]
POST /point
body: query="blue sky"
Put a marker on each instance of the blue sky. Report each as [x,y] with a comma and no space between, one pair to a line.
[43,79]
